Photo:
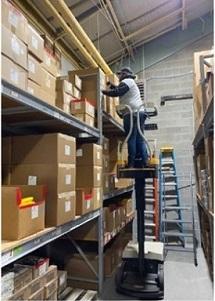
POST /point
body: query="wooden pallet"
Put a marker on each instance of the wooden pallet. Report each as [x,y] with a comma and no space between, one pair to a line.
[75,294]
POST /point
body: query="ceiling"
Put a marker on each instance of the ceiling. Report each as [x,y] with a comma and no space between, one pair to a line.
[118,27]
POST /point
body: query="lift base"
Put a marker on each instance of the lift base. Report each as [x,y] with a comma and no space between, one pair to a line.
[148,287]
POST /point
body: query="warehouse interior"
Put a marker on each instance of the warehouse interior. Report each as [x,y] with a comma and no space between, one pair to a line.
[79,222]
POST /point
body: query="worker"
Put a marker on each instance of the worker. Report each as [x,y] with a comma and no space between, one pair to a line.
[129,94]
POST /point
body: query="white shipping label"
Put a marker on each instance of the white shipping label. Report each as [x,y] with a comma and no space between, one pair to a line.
[98,176]
[88,204]
[67,150]
[32,180]
[68,179]
[34,42]
[62,279]
[67,206]
[42,269]
[15,45]
[14,76]
[48,60]
[31,90]
[91,122]
[98,155]
[98,196]
[79,152]
[34,212]
[12,18]
[31,66]
[77,105]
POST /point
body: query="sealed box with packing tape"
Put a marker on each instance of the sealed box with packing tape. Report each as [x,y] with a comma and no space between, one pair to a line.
[89,154]
[92,176]
[82,107]
[84,201]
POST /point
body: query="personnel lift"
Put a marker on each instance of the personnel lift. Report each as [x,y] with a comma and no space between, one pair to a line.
[141,273]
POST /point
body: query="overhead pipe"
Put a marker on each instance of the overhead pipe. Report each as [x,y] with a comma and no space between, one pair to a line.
[82,36]
[67,29]
[129,49]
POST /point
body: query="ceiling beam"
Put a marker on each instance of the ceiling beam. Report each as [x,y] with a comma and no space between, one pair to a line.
[184,19]
[88,13]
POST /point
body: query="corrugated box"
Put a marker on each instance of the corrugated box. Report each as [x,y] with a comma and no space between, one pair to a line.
[53,296]
[75,80]
[82,107]
[110,219]
[13,73]
[84,201]
[62,85]
[23,276]
[62,280]
[22,294]
[108,182]
[86,119]
[34,70]
[14,48]
[89,90]
[110,106]
[47,97]
[48,82]
[51,273]
[38,265]
[21,222]
[76,93]
[62,210]
[97,198]
[33,149]
[50,62]
[63,101]
[35,43]
[92,176]
[34,89]
[38,295]
[14,20]
[88,231]
[50,287]
[89,154]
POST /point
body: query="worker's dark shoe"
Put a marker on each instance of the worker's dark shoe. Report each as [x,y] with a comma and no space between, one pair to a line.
[129,165]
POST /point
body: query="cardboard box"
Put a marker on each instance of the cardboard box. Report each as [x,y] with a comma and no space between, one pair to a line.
[89,154]
[22,294]
[106,163]
[13,73]
[34,70]
[38,295]
[88,231]
[22,277]
[115,151]
[35,43]
[113,78]
[14,48]
[50,288]
[128,204]
[92,176]
[113,167]
[110,219]
[37,265]
[90,121]
[21,222]
[105,146]
[97,198]
[36,285]
[89,90]
[53,296]
[82,107]
[62,209]
[59,179]
[34,89]
[63,101]
[27,149]
[196,65]
[76,93]
[51,274]
[48,82]
[14,20]
[121,183]
[50,62]
[75,80]
[110,106]
[108,182]
[62,85]
[47,97]
[62,280]
[84,201]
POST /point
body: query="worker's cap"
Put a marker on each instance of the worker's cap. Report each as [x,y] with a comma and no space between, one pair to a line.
[126,70]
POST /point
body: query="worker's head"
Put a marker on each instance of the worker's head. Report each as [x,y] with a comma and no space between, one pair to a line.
[125,72]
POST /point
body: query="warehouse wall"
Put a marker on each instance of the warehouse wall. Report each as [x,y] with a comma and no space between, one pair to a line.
[175,119]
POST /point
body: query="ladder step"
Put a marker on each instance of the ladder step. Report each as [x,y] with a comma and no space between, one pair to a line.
[169,196]
[170,184]
[149,212]
[175,221]
[149,224]
[149,187]
[176,208]
[177,234]
[148,200]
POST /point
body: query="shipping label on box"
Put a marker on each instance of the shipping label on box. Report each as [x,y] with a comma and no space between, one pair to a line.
[34,70]
[35,43]
[34,89]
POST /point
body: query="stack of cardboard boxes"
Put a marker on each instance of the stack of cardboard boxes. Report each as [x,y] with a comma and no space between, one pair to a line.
[88,177]
[64,94]
[49,160]
[108,178]
[30,279]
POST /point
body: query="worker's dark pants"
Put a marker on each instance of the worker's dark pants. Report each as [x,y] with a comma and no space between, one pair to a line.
[136,145]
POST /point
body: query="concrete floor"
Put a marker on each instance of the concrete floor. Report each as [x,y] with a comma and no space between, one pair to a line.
[183,281]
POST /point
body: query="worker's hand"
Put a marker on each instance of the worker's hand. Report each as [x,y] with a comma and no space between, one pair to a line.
[108,83]
[104,92]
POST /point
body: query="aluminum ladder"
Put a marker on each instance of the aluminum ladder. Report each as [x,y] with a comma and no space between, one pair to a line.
[172,221]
